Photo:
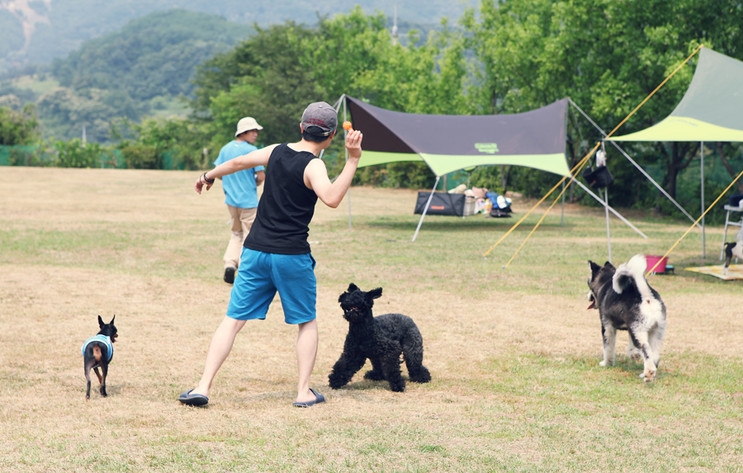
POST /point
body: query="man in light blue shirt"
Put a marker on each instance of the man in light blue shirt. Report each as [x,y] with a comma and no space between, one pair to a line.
[241,192]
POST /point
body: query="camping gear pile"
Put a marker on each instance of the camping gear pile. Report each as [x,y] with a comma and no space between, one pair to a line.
[486,201]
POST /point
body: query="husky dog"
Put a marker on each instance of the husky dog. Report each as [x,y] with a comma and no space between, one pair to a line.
[625,301]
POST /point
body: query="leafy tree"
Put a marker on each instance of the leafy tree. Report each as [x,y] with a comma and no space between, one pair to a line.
[18,128]
[66,114]
[272,76]
[355,54]
[160,144]
[262,77]
[607,56]
[78,154]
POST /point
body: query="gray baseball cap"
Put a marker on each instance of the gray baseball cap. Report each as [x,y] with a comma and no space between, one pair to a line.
[319,119]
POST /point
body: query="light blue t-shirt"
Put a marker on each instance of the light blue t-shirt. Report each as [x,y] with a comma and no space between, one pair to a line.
[240,189]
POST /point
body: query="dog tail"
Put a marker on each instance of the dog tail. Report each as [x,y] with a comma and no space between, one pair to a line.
[97,352]
[632,273]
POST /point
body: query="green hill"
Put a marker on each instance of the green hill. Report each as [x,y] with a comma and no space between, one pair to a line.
[151,56]
[143,69]
[37,32]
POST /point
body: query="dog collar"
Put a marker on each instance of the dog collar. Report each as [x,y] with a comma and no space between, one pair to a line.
[102,339]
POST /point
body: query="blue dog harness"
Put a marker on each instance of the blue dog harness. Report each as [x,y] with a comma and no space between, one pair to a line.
[102,339]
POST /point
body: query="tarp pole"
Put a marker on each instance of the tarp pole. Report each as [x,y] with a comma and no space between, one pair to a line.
[348,192]
[562,214]
[337,106]
[634,163]
[657,186]
[650,270]
[608,227]
[425,209]
[616,214]
[701,174]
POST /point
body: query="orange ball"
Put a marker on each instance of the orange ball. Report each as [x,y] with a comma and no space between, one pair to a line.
[347,126]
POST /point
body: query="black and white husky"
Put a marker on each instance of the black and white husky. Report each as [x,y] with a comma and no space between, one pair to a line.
[625,301]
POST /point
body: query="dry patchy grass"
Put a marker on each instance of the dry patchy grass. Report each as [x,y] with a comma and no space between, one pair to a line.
[513,352]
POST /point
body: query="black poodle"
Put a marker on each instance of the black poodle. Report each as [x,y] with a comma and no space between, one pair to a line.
[380,339]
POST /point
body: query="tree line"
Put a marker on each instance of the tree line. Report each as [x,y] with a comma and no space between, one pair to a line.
[506,56]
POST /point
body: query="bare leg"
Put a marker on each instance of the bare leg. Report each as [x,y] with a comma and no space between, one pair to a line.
[219,348]
[307,339]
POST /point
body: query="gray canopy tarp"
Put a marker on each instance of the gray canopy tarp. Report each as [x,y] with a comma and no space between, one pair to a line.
[448,143]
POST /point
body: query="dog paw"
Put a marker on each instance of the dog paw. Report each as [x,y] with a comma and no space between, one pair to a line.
[423,376]
[603,363]
[648,375]
[336,384]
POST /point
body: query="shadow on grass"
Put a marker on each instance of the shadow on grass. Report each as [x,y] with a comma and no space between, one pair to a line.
[458,224]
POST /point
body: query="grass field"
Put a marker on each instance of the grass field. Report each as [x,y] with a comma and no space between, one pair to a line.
[513,352]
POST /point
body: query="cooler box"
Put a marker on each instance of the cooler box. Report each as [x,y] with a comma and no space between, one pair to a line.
[443,203]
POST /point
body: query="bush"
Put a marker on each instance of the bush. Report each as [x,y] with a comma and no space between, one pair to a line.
[140,156]
[78,154]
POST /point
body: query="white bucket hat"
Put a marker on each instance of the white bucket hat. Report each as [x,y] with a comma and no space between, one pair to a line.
[247,124]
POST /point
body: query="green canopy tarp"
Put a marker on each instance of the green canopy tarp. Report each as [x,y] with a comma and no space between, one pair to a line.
[711,109]
[448,143]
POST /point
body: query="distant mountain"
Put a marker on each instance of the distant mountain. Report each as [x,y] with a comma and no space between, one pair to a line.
[141,69]
[37,31]
[151,56]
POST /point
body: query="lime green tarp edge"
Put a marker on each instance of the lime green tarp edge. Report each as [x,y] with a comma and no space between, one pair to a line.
[444,164]
[675,128]
[373,158]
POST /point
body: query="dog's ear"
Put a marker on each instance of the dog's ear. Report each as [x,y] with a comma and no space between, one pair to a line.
[352,287]
[374,293]
[112,320]
[100,322]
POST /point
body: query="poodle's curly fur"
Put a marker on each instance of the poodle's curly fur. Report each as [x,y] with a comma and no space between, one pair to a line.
[380,339]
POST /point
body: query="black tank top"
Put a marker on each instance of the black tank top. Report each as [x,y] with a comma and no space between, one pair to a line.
[286,207]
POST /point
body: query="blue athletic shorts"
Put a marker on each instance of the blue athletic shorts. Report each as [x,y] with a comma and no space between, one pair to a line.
[260,275]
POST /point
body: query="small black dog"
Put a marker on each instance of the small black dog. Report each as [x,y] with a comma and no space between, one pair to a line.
[732,249]
[380,339]
[98,352]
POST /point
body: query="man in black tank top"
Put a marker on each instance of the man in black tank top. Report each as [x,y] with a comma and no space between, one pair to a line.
[276,256]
